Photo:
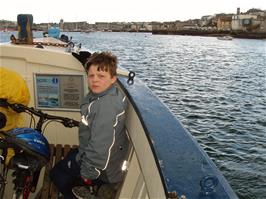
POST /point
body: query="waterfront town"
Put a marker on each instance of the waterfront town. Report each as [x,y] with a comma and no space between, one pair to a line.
[249,24]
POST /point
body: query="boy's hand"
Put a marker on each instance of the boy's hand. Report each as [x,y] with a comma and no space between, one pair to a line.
[81,181]
[86,181]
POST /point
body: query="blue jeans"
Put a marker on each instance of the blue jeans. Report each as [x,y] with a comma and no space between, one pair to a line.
[65,173]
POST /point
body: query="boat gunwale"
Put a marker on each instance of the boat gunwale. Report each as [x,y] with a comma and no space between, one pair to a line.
[137,94]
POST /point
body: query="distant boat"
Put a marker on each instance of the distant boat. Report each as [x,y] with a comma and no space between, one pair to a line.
[54,32]
[225,38]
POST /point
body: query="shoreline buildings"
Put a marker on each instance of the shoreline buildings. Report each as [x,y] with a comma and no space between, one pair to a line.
[250,24]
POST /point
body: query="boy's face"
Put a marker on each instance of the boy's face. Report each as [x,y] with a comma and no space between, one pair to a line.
[99,81]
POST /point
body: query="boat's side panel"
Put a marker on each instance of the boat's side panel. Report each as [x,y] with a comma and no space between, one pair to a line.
[134,185]
[182,164]
[143,179]
[30,61]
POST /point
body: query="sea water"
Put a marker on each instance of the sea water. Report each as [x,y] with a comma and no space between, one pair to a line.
[216,88]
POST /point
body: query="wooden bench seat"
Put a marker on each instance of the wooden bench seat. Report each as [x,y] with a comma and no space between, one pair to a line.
[48,190]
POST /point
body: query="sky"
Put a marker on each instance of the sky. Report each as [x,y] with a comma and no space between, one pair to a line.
[91,11]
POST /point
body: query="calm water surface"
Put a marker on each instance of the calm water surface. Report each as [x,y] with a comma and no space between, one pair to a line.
[217,89]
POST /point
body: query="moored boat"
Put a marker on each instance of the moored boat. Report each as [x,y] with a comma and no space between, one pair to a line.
[165,161]
[227,37]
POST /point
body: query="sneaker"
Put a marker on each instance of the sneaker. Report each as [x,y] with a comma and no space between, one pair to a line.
[82,192]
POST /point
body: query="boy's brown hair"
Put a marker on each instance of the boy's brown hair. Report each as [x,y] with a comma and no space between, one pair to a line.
[105,61]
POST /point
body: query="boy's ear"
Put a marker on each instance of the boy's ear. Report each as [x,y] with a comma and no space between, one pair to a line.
[114,78]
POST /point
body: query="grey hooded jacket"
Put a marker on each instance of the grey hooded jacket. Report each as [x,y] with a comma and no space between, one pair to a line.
[103,142]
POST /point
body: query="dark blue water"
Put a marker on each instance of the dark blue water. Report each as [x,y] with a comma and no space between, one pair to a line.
[217,89]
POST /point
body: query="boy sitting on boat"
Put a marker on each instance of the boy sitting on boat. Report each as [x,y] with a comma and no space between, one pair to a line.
[94,170]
